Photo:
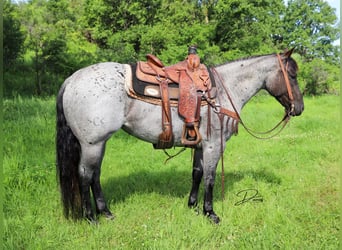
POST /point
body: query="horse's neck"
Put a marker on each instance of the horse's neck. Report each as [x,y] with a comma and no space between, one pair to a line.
[244,78]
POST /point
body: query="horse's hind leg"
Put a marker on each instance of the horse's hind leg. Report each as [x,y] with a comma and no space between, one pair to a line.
[101,207]
[89,172]
[197,174]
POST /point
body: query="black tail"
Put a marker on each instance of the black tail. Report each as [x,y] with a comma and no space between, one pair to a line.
[68,158]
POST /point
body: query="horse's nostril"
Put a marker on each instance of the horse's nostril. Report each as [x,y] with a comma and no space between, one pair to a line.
[300,110]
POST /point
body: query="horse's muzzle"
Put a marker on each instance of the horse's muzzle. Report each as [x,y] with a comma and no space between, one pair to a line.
[296,109]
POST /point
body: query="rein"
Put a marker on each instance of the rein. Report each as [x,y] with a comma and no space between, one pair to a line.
[218,109]
[235,115]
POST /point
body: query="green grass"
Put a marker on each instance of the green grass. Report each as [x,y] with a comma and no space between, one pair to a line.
[296,173]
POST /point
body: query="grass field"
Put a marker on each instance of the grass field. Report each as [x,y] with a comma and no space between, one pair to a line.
[295,173]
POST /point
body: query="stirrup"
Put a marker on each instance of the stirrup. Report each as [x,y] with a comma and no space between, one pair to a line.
[190,141]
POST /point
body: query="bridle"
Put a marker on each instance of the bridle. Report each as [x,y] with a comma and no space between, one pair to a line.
[235,114]
[287,82]
[222,112]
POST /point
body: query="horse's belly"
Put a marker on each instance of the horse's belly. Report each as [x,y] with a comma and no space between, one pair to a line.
[144,121]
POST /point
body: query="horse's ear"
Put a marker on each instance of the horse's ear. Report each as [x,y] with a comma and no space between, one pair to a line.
[288,53]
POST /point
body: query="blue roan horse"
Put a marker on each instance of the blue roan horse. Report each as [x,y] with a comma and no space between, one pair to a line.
[93,104]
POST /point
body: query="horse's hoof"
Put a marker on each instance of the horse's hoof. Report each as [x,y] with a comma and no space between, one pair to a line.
[108,215]
[213,217]
[91,220]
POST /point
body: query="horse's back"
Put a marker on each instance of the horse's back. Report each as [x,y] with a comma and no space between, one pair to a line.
[94,100]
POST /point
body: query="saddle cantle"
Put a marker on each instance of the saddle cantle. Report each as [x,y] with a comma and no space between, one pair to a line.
[185,82]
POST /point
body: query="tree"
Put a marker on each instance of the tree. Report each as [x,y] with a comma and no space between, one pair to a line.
[62,36]
[107,17]
[36,20]
[311,27]
[54,43]
[128,30]
[13,38]
[247,26]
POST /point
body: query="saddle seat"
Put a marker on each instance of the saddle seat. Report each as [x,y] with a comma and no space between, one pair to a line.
[193,80]
[154,71]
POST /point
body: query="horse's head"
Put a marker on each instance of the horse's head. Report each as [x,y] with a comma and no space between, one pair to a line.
[284,86]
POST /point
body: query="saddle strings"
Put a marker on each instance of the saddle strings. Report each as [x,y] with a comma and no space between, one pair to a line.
[172,156]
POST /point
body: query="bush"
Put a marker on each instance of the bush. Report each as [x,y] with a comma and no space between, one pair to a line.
[319,77]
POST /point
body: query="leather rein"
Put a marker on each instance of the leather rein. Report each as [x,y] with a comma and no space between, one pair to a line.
[235,114]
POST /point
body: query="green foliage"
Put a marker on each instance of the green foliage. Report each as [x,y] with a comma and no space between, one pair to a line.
[296,173]
[311,27]
[247,25]
[319,77]
[13,37]
[47,40]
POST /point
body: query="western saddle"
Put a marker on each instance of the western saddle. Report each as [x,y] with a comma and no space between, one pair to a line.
[193,80]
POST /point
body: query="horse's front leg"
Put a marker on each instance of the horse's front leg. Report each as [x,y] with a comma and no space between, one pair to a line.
[211,156]
[197,174]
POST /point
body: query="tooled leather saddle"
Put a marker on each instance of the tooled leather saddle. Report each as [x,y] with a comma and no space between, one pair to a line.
[193,79]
